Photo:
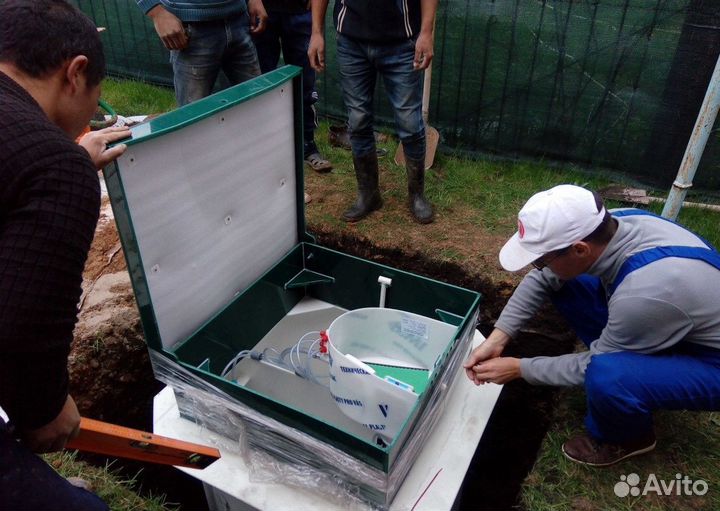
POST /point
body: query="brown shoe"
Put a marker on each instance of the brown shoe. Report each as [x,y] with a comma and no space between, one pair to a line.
[588,451]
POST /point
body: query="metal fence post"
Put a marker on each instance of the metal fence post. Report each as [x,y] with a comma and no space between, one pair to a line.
[696,147]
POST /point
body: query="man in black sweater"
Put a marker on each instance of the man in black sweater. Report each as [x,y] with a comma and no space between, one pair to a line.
[394,39]
[51,65]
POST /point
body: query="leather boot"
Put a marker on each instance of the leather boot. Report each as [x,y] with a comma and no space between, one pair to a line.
[419,206]
[368,199]
[585,450]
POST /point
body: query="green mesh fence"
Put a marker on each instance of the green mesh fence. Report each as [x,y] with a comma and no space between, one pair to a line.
[607,83]
[132,48]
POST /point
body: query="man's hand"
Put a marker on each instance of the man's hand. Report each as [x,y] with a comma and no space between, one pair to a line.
[498,370]
[169,28]
[423,51]
[54,435]
[258,16]
[491,348]
[316,52]
[96,142]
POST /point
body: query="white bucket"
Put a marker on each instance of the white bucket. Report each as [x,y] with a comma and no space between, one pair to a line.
[380,361]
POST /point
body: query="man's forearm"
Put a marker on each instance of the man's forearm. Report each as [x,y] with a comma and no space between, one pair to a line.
[527,298]
[319,8]
[428,9]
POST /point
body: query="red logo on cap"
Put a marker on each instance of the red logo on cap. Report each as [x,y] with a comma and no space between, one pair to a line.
[521,229]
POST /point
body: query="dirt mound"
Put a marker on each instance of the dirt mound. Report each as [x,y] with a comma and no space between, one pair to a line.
[111,378]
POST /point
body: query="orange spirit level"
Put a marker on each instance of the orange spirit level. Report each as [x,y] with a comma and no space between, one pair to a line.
[113,440]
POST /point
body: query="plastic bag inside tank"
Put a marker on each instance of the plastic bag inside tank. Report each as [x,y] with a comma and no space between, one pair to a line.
[381,360]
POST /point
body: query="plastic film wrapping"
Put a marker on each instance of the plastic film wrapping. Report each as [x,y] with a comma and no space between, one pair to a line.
[249,431]
[278,453]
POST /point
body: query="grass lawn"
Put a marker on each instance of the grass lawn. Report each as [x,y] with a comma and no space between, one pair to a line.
[117,492]
[688,444]
[129,97]
[476,203]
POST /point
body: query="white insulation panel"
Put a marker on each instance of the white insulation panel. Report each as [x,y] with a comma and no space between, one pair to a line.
[209,222]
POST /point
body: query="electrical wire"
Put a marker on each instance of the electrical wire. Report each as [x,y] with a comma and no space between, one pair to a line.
[290,358]
[234,361]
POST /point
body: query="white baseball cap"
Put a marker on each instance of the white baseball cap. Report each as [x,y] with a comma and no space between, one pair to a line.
[551,220]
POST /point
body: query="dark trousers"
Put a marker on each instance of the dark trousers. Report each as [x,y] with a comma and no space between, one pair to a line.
[28,483]
[291,34]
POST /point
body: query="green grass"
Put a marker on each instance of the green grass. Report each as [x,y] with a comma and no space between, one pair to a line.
[688,444]
[498,189]
[494,190]
[117,492]
[703,222]
[129,97]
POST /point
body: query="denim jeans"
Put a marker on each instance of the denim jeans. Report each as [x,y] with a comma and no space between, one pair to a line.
[27,482]
[359,63]
[213,46]
[291,34]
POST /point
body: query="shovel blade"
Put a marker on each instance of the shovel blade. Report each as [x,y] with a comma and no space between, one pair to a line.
[432,139]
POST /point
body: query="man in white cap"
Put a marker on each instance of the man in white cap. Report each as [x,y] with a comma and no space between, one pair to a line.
[642,292]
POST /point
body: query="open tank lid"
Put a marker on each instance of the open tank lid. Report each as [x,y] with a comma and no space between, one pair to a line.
[207,198]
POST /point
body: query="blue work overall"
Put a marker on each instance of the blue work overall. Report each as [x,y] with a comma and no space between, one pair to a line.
[624,388]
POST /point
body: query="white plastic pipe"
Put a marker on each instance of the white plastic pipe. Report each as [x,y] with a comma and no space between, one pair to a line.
[384,284]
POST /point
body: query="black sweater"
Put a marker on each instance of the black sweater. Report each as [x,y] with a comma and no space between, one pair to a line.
[49,204]
[286,6]
[378,21]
